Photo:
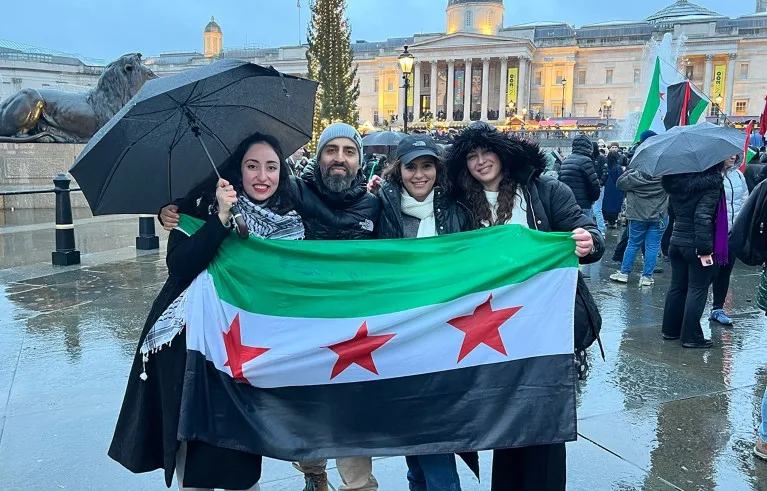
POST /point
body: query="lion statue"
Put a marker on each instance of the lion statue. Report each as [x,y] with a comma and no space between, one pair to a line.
[56,116]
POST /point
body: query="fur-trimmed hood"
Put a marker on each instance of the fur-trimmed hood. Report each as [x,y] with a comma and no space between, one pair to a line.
[522,158]
[684,185]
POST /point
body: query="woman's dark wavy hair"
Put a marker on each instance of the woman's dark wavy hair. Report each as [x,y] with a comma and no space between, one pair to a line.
[519,158]
[200,199]
[393,174]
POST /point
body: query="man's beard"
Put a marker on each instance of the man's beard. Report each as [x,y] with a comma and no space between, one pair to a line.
[337,182]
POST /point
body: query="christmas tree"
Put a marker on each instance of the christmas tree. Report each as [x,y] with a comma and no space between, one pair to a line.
[330,58]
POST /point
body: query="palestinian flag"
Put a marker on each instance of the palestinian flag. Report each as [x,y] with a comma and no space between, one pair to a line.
[304,350]
[670,105]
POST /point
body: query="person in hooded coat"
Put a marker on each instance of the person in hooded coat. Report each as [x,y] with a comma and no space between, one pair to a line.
[578,172]
[500,181]
[145,436]
[695,198]
[613,197]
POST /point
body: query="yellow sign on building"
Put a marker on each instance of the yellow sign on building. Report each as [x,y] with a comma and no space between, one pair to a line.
[720,82]
[411,79]
[512,86]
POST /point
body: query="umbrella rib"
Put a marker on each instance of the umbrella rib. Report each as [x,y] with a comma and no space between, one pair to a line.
[215,137]
[108,180]
[260,111]
[202,97]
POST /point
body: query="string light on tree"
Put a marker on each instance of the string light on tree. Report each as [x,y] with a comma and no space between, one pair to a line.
[330,59]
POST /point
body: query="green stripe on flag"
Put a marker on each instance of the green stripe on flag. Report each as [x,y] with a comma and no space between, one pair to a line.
[652,104]
[346,279]
[698,110]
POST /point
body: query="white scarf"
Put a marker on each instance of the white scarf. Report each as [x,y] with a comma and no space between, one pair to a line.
[422,210]
[518,212]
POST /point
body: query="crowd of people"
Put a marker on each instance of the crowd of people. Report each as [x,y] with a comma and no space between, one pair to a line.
[484,179]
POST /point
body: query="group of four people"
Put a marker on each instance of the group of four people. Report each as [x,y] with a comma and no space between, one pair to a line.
[486,179]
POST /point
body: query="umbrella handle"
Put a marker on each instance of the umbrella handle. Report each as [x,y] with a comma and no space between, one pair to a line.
[239,223]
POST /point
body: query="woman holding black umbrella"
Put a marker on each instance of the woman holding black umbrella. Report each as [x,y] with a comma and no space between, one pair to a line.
[255,178]
[698,242]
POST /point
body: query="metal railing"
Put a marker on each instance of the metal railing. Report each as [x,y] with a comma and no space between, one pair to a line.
[66,253]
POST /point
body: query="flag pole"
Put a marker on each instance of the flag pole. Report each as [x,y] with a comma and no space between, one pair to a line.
[299,23]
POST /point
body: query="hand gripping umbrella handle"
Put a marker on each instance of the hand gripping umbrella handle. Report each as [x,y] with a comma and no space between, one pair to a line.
[239,223]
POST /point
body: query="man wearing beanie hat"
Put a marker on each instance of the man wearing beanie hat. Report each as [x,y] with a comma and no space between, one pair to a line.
[334,204]
[330,195]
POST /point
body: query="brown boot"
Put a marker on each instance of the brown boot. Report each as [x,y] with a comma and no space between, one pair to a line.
[316,482]
[760,449]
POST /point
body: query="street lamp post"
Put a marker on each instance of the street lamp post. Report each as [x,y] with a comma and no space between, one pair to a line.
[719,99]
[564,84]
[608,110]
[406,64]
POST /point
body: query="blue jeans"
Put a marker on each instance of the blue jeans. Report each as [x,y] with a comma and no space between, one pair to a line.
[433,473]
[649,234]
[596,212]
[763,425]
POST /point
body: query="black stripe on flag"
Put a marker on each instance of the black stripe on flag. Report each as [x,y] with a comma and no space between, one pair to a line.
[501,405]
[681,101]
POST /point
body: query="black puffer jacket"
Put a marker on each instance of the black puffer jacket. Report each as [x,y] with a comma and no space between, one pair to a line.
[579,174]
[553,206]
[450,217]
[694,198]
[327,215]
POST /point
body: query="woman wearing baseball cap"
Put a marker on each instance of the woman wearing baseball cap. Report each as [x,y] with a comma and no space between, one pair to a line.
[415,202]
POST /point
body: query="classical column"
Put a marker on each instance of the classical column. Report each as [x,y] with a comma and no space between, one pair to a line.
[730,84]
[417,92]
[485,86]
[707,79]
[504,83]
[523,84]
[450,88]
[467,91]
[433,93]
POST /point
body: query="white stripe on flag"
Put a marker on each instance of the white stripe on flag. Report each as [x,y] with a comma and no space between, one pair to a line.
[423,340]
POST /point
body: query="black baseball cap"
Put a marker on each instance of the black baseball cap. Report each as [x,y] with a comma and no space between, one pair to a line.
[412,147]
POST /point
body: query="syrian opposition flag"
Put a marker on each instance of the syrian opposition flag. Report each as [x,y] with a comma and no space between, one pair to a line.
[303,350]
[670,105]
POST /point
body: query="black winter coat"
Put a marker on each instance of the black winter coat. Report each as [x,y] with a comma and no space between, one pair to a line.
[579,174]
[145,437]
[450,217]
[694,198]
[327,215]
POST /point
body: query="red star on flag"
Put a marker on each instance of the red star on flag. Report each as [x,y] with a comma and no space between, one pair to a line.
[483,327]
[662,95]
[358,350]
[236,353]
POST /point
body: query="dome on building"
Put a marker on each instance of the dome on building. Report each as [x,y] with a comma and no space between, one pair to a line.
[459,2]
[212,26]
[679,10]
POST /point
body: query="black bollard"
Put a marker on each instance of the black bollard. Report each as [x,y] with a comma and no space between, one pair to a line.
[65,253]
[147,240]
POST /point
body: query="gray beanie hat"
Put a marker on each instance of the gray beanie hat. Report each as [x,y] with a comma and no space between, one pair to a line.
[340,130]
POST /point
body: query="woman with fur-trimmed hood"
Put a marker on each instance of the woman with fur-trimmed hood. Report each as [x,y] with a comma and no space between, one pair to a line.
[500,180]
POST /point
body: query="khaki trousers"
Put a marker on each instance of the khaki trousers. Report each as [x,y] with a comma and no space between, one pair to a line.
[356,472]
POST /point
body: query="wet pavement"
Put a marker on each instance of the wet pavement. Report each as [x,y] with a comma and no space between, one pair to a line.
[652,417]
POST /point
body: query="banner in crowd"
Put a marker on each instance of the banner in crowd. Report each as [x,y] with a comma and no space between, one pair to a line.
[411,92]
[313,349]
[512,85]
[719,87]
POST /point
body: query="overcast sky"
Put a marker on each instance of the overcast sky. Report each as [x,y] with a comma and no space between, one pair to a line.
[90,28]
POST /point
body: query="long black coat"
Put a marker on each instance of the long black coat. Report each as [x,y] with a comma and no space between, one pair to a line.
[578,172]
[145,437]
[450,217]
[694,198]
[329,215]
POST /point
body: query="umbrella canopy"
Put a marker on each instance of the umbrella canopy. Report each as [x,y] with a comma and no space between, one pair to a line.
[684,149]
[154,150]
[383,138]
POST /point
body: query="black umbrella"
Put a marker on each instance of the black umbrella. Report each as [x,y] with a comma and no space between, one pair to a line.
[164,141]
[383,138]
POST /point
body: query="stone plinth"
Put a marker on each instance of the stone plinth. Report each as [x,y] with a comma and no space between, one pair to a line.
[26,166]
